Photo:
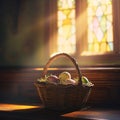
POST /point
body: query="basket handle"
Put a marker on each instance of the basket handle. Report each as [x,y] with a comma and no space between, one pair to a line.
[63,55]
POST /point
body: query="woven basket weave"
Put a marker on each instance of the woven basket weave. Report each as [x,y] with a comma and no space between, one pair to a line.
[63,97]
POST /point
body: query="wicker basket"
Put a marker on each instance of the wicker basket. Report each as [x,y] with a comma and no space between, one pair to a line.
[63,97]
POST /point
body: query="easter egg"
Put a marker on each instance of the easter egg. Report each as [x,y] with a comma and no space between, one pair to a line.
[53,79]
[64,76]
[85,79]
[70,81]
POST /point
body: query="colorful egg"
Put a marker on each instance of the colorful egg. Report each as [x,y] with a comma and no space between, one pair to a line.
[64,76]
[53,79]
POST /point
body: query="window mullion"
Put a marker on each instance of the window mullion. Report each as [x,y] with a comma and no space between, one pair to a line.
[116,28]
[81,26]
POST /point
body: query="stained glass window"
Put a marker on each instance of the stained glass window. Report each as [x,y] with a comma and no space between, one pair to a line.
[66,26]
[100,29]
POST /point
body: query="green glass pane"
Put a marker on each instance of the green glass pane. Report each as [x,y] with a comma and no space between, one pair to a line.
[111,45]
[90,47]
[103,24]
[96,47]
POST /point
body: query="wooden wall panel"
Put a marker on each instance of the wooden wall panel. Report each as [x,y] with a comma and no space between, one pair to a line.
[17,85]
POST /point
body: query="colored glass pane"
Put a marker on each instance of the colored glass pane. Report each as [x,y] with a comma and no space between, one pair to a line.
[66,26]
[100,29]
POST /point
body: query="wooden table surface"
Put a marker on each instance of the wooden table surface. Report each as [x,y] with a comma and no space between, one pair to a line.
[33,112]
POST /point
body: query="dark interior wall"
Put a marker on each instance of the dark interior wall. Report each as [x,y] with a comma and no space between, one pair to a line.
[22,26]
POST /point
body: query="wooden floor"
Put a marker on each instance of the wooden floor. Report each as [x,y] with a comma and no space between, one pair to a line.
[30,112]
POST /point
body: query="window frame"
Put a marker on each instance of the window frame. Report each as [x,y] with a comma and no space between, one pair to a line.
[109,59]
